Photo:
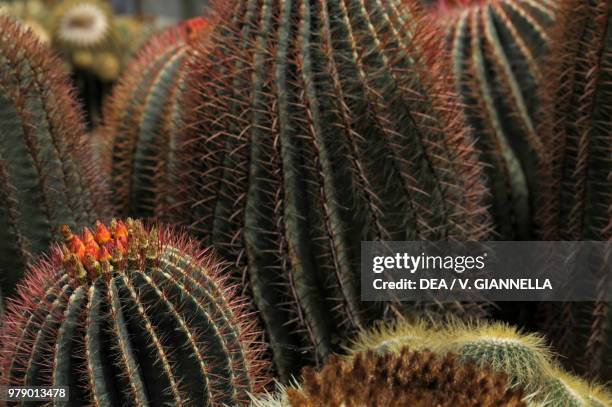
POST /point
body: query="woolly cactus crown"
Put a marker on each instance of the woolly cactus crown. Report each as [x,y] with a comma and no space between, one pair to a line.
[82,24]
[415,379]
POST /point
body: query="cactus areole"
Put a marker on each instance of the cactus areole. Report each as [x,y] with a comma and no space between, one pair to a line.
[128,315]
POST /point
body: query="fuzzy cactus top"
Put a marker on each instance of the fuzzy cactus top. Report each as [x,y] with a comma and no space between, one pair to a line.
[416,379]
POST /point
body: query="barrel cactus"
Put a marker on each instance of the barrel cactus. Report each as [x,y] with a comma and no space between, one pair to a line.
[313,126]
[578,84]
[416,379]
[46,175]
[129,315]
[496,49]
[142,119]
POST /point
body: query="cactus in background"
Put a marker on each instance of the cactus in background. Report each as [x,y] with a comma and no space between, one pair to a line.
[85,35]
[525,358]
[416,379]
[82,28]
[579,88]
[313,126]
[46,177]
[132,316]
[496,49]
[142,119]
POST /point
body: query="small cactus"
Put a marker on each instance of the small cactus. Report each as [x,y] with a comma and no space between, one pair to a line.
[313,126]
[578,86]
[415,379]
[79,25]
[142,119]
[496,48]
[46,175]
[129,315]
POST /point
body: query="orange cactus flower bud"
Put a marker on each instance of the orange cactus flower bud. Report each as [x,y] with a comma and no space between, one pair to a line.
[103,236]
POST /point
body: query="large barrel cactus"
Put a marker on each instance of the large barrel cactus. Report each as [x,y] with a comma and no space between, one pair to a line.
[313,126]
[415,379]
[142,119]
[135,316]
[579,84]
[496,48]
[46,176]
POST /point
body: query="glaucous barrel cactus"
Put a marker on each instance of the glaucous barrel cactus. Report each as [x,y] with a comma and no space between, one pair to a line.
[496,49]
[415,379]
[579,86]
[142,119]
[46,176]
[526,359]
[129,315]
[313,126]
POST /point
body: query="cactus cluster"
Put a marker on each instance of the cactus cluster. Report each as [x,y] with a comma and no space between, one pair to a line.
[46,175]
[407,379]
[312,126]
[416,379]
[282,134]
[129,315]
[496,48]
[141,121]
[526,359]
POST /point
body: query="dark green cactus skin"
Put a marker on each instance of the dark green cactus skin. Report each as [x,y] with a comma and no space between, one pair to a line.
[579,83]
[496,49]
[142,119]
[46,178]
[313,126]
[161,328]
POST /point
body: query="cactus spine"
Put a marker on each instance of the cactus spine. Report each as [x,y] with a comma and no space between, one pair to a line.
[132,316]
[45,175]
[142,119]
[496,48]
[315,125]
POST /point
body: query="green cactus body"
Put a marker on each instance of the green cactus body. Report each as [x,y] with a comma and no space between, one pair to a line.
[579,86]
[154,323]
[142,119]
[313,126]
[521,362]
[46,175]
[496,48]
